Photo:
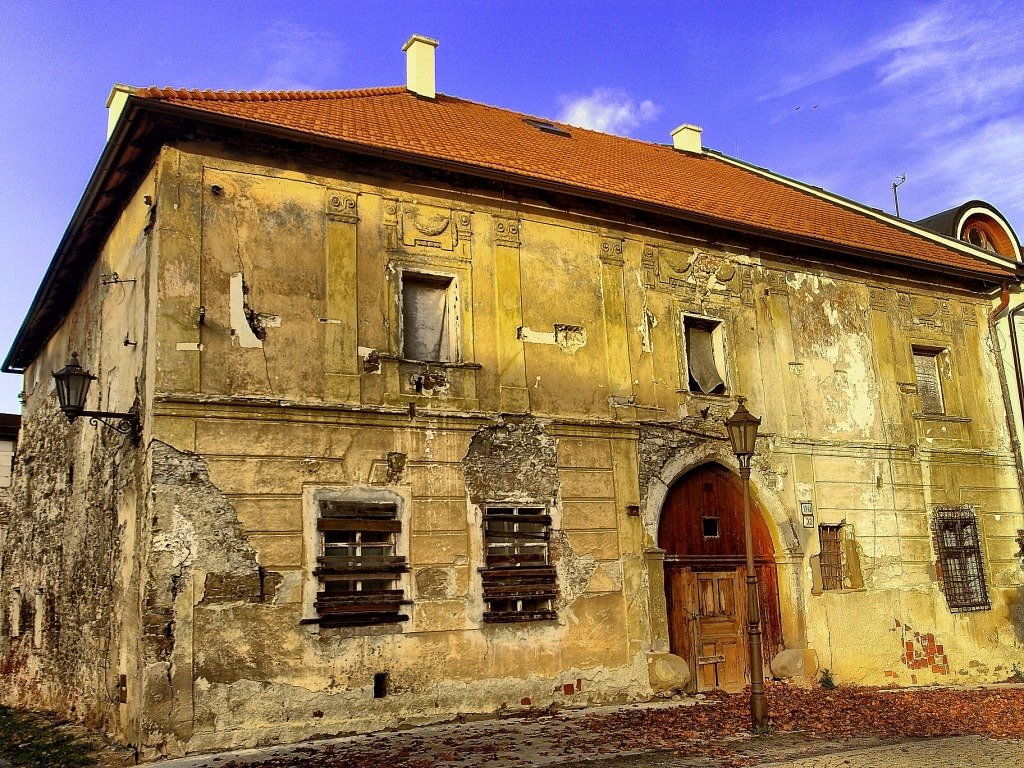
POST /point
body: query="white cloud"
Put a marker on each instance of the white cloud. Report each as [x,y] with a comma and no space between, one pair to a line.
[609,110]
[294,58]
[940,98]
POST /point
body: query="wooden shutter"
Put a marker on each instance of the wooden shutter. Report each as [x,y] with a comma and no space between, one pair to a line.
[929,388]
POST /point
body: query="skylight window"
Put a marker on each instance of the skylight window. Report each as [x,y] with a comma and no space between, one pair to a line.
[544,125]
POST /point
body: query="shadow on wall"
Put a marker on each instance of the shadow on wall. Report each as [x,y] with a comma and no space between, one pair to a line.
[1016,605]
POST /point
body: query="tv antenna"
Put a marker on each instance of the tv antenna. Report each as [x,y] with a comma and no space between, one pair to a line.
[895,194]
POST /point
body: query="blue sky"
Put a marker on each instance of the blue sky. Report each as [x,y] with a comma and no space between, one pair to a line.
[846,95]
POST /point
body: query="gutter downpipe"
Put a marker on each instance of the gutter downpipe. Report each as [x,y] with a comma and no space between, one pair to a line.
[1011,422]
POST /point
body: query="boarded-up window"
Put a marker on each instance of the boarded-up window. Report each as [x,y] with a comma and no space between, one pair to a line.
[358,567]
[519,582]
[702,337]
[929,386]
[426,317]
[831,560]
[959,565]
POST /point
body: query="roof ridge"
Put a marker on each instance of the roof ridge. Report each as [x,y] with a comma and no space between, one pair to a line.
[197,94]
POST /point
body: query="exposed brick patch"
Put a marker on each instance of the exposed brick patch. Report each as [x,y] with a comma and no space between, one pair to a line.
[920,651]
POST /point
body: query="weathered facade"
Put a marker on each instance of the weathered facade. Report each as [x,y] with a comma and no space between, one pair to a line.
[413,440]
[9,425]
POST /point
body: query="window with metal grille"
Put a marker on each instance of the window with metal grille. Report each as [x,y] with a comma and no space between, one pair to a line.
[358,567]
[704,355]
[833,574]
[929,385]
[519,581]
[960,568]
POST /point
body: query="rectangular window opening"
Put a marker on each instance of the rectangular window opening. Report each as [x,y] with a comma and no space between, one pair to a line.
[960,568]
[833,570]
[428,317]
[358,566]
[705,356]
[929,383]
[710,527]
[518,579]
[380,685]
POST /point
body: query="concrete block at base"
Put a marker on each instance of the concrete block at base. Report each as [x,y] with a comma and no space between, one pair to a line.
[793,663]
[667,672]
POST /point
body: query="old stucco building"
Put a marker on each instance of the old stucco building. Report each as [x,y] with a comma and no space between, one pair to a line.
[432,400]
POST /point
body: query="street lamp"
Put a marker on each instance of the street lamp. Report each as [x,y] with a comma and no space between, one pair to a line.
[72,389]
[742,427]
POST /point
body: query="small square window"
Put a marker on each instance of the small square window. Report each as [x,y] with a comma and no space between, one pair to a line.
[705,355]
[518,579]
[710,527]
[429,315]
[929,383]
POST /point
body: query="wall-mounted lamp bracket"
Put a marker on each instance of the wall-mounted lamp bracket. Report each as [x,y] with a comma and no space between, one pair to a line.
[114,279]
[72,383]
[122,423]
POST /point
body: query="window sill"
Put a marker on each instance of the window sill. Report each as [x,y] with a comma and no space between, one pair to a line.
[942,417]
[469,366]
[723,397]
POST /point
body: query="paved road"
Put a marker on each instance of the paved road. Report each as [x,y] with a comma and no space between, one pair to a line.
[962,752]
[566,741]
[967,751]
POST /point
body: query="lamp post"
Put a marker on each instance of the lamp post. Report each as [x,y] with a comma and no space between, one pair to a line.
[72,389]
[742,427]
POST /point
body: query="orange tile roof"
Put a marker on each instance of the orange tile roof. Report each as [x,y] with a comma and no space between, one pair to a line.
[486,137]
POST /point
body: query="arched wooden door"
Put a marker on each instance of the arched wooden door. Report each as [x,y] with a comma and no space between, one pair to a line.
[701,531]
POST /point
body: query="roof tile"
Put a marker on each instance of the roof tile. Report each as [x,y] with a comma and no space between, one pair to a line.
[475,134]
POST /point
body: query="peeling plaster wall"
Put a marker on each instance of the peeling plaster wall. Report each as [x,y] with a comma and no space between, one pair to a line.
[226,661]
[274,346]
[327,401]
[68,572]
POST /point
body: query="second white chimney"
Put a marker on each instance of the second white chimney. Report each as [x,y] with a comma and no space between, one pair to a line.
[687,138]
[115,104]
[419,65]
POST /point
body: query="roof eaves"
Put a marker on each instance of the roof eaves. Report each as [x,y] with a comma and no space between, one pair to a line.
[912,228]
[14,362]
[544,182]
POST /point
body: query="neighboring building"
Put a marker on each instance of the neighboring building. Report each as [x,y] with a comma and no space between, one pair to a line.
[9,424]
[432,399]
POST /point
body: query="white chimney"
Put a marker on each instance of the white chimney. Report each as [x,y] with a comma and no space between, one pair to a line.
[687,138]
[115,104]
[419,65]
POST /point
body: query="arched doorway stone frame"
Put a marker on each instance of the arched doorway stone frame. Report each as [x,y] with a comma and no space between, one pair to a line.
[789,557]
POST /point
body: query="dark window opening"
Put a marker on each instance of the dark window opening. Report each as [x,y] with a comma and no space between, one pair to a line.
[833,572]
[519,581]
[929,383]
[701,338]
[710,527]
[959,566]
[358,567]
[547,127]
[380,685]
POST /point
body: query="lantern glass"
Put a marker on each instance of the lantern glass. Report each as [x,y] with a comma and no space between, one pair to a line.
[72,386]
[742,426]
